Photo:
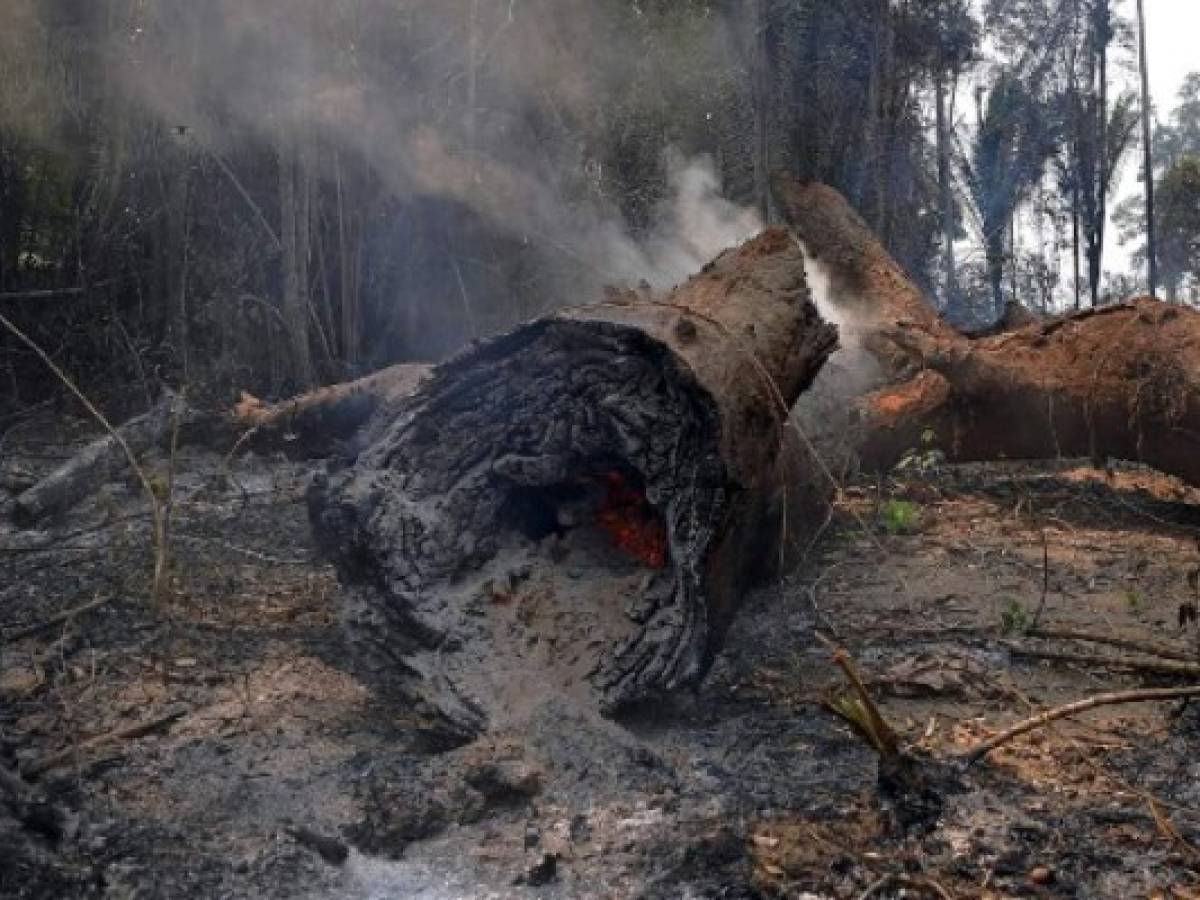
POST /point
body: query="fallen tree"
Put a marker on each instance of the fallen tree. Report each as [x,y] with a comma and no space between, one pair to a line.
[661,421]
[1121,381]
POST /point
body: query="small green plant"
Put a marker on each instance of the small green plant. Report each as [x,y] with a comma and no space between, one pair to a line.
[1015,618]
[1134,600]
[900,516]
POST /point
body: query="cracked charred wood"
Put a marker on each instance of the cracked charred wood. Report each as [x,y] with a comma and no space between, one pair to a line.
[687,394]
[1120,381]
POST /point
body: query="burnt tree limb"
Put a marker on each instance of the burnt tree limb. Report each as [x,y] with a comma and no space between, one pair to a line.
[1121,381]
[316,421]
[82,474]
[688,392]
[313,425]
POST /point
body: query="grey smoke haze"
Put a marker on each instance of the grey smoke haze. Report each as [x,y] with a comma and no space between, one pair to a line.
[272,68]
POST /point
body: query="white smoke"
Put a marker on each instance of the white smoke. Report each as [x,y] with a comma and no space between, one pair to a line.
[826,412]
[269,67]
[695,224]
[829,298]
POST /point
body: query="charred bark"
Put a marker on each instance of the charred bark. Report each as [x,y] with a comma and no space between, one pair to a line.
[685,396]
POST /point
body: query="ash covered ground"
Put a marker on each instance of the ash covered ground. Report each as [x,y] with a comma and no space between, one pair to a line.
[285,776]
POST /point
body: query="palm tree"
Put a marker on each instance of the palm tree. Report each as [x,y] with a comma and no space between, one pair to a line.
[1013,140]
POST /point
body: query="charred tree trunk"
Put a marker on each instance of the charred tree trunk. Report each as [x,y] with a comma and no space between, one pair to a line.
[683,397]
[1120,382]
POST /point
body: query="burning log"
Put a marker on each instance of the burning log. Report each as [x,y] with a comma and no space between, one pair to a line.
[573,505]
[1121,381]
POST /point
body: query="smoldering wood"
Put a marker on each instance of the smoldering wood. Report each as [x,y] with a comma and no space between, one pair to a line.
[1121,381]
[689,391]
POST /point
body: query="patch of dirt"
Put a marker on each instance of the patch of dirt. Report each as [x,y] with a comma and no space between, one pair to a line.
[284,758]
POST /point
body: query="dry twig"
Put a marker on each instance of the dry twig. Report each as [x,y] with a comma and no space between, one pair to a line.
[128,733]
[55,621]
[1169,667]
[1042,719]
[1151,649]
[906,881]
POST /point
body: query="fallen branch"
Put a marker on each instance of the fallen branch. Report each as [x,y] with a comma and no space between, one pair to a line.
[1123,663]
[1065,634]
[986,632]
[1168,830]
[55,621]
[60,489]
[128,733]
[1042,719]
[337,410]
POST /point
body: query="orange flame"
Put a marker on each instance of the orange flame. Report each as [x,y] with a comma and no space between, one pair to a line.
[629,519]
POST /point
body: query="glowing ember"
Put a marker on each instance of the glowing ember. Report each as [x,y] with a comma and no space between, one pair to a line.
[629,518]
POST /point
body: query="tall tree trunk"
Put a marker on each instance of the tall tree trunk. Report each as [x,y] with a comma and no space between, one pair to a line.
[176,251]
[760,92]
[950,293]
[1012,261]
[346,267]
[994,241]
[1075,261]
[1148,154]
[872,128]
[472,102]
[304,184]
[295,306]
[1103,37]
